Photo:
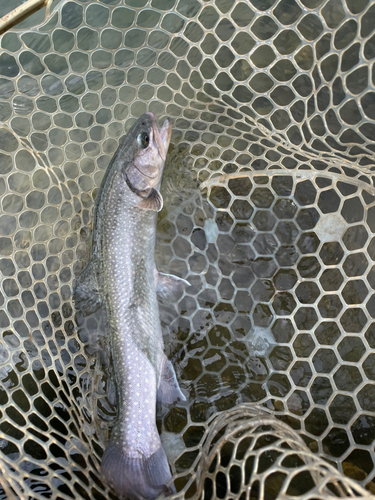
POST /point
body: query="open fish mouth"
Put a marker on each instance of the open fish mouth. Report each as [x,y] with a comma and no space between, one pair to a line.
[162,136]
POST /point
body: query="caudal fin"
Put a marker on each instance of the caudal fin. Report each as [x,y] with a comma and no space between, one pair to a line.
[136,478]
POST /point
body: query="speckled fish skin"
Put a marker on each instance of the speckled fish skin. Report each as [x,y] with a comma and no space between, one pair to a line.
[122,275]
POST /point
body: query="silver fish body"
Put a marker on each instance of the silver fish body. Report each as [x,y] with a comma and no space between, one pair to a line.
[121,276]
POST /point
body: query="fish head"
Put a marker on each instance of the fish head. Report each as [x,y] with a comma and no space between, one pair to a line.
[149,150]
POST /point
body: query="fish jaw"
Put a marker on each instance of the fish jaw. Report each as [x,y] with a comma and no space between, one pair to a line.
[163,137]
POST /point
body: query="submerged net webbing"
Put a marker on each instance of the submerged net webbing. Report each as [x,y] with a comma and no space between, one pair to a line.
[269,213]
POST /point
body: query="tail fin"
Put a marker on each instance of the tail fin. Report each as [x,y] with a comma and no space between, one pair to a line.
[136,478]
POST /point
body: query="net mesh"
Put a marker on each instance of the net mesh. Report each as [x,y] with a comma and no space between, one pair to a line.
[269,214]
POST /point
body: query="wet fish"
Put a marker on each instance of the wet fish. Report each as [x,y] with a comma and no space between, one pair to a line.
[121,276]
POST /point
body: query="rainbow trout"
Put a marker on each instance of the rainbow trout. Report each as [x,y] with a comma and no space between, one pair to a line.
[121,276]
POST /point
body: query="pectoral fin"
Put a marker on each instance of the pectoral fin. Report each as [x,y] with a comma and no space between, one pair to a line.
[169,390]
[154,201]
[168,285]
[86,290]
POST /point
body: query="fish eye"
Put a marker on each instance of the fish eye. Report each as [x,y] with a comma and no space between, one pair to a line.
[143,140]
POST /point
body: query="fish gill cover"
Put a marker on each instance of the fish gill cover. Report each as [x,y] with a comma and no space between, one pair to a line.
[269,211]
